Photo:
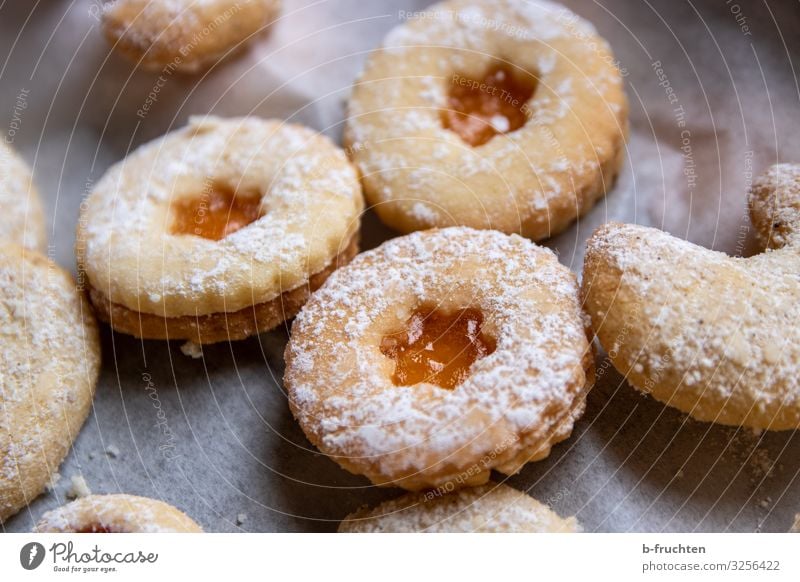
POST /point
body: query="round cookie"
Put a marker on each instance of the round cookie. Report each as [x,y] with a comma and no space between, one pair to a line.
[184,35]
[490,508]
[440,356]
[711,335]
[22,219]
[219,230]
[496,114]
[118,513]
[49,367]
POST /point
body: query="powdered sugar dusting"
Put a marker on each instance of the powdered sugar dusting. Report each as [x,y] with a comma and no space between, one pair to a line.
[714,335]
[404,151]
[775,206]
[515,399]
[19,202]
[48,367]
[183,34]
[310,203]
[490,508]
[116,513]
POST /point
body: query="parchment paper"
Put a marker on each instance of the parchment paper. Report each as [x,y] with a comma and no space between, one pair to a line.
[215,436]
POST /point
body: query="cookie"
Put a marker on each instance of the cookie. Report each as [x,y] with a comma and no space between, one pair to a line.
[711,335]
[184,35]
[22,218]
[490,508]
[49,368]
[219,230]
[117,513]
[492,114]
[440,356]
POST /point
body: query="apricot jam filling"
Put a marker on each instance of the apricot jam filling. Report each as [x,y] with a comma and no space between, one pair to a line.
[437,347]
[216,213]
[479,109]
[95,528]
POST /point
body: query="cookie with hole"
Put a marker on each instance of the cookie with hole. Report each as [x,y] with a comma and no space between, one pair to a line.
[219,230]
[440,356]
[492,114]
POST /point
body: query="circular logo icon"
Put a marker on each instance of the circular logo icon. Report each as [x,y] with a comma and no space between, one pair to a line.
[31,555]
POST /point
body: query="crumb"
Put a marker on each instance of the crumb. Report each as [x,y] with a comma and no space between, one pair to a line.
[91,455]
[192,350]
[748,450]
[112,451]
[679,474]
[78,487]
[761,463]
[241,518]
[53,483]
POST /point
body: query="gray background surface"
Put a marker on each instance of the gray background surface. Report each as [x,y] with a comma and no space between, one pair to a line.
[232,446]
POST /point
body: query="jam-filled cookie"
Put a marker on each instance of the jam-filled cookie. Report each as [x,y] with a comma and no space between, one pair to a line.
[499,114]
[219,230]
[440,356]
[21,218]
[117,513]
[184,35]
[490,508]
[714,336]
[48,370]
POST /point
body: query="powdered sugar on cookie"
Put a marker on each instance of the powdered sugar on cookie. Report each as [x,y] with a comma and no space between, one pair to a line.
[517,401]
